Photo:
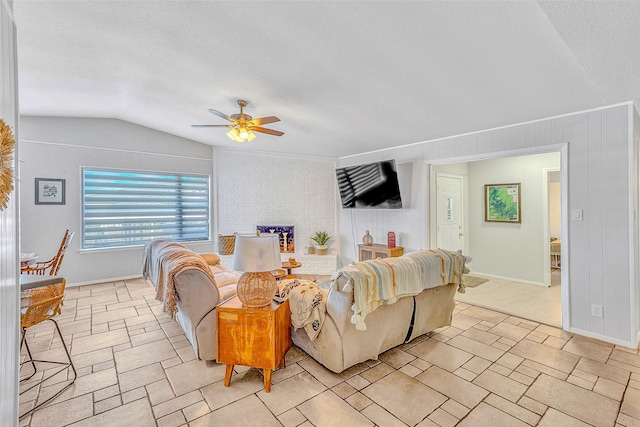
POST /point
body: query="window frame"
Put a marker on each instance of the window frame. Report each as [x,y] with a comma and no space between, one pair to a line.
[139,174]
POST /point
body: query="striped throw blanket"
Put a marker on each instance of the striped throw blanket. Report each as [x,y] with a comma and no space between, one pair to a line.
[384,281]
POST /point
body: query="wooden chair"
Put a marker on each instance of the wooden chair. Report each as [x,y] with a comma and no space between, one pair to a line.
[37,305]
[53,265]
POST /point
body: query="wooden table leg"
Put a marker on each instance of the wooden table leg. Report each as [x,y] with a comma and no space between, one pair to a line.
[227,375]
[267,380]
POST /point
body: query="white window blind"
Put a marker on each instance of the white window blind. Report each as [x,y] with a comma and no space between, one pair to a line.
[129,208]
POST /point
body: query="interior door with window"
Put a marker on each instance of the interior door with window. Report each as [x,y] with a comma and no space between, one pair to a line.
[449,215]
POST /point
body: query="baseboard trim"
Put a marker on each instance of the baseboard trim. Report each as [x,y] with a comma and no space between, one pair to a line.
[510,279]
[112,279]
[611,340]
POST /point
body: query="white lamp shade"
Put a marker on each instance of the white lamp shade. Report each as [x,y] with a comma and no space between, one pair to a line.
[257,253]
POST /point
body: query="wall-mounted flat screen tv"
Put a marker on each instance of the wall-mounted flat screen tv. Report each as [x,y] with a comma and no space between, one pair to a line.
[374,185]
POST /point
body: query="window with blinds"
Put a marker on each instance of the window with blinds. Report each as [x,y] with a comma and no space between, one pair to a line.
[129,208]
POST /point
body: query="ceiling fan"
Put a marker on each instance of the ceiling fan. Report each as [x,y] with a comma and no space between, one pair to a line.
[243,124]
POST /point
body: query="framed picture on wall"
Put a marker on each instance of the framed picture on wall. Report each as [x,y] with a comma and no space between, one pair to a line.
[502,203]
[49,191]
[285,233]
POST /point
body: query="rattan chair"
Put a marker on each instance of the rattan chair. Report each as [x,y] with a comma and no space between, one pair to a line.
[37,305]
[53,265]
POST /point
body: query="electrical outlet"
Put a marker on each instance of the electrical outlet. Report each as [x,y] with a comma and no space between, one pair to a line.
[596,310]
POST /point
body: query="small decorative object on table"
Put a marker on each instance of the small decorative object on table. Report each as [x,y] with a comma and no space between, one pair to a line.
[367,239]
[391,239]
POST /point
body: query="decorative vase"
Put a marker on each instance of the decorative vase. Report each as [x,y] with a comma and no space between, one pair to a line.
[367,239]
[312,250]
[321,249]
[391,239]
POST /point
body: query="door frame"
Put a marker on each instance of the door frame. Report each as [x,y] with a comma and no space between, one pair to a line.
[563,150]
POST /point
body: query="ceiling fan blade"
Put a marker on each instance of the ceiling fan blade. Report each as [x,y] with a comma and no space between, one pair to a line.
[265,130]
[211,126]
[220,114]
[264,120]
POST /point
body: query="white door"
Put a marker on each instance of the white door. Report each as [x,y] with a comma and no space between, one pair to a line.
[449,216]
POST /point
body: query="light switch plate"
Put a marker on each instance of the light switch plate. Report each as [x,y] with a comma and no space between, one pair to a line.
[576,214]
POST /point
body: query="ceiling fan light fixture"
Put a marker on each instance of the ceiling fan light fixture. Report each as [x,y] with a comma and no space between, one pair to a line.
[241,135]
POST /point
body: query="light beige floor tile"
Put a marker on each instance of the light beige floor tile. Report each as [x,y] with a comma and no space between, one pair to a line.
[463,321]
[510,408]
[452,386]
[99,341]
[111,315]
[381,416]
[396,358]
[64,413]
[344,390]
[196,410]
[443,418]
[577,402]
[440,354]
[626,357]
[477,365]
[607,371]
[476,348]
[609,388]
[358,401]
[177,403]
[291,392]
[140,377]
[193,375]
[327,377]
[143,355]
[107,404]
[242,385]
[500,385]
[588,349]
[409,400]
[254,414]
[553,418]
[480,336]
[554,358]
[292,418]
[130,396]
[532,405]
[487,415]
[631,403]
[147,337]
[175,419]
[456,409]
[512,332]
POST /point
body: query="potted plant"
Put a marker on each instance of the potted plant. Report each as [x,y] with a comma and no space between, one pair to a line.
[321,238]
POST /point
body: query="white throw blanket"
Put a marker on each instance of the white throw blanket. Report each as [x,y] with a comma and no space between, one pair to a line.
[307,303]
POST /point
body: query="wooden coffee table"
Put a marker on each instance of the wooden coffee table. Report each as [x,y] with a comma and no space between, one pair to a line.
[258,337]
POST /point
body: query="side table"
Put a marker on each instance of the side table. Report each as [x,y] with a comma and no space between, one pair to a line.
[258,337]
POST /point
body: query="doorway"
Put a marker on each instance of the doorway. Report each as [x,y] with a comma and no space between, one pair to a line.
[513,258]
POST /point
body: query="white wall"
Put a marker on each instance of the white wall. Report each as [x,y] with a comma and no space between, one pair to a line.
[261,189]
[512,251]
[9,302]
[555,223]
[598,269]
[248,189]
[59,148]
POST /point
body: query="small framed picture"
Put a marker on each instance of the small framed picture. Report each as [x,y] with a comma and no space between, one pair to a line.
[49,191]
[502,203]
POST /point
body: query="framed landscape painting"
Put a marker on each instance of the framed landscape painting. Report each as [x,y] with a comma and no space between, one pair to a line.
[502,203]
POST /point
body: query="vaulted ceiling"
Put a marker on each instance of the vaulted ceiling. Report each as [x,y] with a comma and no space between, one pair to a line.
[344,77]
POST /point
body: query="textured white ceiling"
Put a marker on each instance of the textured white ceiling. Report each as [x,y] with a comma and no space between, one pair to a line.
[344,77]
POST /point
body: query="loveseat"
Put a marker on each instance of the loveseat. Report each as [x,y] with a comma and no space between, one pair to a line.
[191,286]
[368,309]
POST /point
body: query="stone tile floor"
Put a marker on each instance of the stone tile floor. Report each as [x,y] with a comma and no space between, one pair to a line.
[136,368]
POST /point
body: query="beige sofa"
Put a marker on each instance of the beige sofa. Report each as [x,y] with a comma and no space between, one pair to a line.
[341,343]
[197,294]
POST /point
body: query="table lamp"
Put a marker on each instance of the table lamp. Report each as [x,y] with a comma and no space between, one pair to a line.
[257,257]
